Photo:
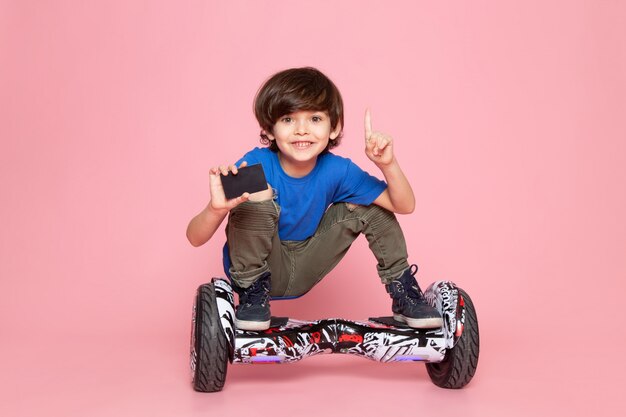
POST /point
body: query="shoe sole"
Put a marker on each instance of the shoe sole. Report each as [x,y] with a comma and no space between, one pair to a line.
[252,325]
[429,323]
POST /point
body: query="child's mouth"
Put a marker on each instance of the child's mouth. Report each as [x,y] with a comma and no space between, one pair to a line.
[302,145]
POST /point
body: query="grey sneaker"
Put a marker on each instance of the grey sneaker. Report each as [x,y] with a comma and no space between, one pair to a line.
[409,305]
[253,311]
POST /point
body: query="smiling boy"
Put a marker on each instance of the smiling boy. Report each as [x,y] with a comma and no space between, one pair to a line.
[284,240]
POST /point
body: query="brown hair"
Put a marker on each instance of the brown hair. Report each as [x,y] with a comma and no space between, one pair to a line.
[293,90]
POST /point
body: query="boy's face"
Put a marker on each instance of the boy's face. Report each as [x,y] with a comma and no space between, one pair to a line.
[302,135]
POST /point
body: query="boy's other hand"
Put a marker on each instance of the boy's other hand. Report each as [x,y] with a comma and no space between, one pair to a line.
[218,199]
[378,146]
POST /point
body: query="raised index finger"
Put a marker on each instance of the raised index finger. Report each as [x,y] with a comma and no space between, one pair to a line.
[368,124]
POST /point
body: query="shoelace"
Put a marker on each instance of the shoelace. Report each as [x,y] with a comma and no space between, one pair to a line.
[257,293]
[411,286]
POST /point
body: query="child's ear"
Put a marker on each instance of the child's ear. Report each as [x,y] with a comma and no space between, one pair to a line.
[266,133]
[335,133]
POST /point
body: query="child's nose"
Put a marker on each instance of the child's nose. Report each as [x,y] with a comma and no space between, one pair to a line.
[301,127]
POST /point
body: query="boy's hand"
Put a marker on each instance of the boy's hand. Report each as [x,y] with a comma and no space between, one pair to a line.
[378,146]
[218,199]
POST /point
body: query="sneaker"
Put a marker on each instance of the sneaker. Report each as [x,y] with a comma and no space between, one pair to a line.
[409,305]
[253,311]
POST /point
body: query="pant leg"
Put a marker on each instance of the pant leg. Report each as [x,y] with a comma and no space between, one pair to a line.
[340,226]
[255,247]
[251,230]
[385,238]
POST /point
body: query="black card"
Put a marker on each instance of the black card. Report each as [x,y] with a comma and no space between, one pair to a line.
[248,179]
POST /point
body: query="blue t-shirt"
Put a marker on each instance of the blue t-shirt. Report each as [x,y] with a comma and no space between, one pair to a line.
[303,201]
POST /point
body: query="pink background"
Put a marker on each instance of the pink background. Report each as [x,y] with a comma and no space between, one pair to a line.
[508,119]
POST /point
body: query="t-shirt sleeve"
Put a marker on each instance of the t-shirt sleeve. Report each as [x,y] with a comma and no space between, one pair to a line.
[358,186]
[249,158]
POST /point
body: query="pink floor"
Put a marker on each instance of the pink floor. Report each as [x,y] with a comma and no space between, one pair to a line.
[132,375]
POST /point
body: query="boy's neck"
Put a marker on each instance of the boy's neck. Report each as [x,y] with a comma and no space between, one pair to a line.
[296,169]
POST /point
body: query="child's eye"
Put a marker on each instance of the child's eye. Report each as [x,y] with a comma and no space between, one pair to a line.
[317,118]
[286,119]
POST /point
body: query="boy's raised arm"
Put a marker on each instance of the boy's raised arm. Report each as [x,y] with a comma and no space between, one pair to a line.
[398,197]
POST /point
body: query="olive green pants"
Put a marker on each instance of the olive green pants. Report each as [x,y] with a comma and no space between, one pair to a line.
[296,266]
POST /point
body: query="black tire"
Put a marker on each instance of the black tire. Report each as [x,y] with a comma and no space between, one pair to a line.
[209,342]
[459,365]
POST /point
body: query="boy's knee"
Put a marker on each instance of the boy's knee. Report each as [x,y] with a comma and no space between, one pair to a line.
[255,215]
[375,215]
[372,210]
[367,214]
